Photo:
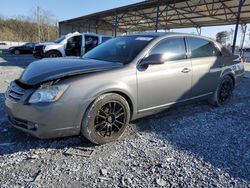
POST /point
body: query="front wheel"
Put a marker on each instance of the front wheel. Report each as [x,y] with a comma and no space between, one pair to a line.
[53,54]
[223,93]
[106,119]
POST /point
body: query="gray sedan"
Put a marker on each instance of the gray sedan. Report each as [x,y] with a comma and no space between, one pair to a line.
[123,79]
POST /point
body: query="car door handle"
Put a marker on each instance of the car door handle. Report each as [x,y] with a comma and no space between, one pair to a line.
[186,70]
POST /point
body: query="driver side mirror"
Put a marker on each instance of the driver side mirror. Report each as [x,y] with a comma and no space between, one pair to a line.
[153,59]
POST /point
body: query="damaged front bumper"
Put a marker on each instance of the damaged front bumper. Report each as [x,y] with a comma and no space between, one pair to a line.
[38,52]
[42,120]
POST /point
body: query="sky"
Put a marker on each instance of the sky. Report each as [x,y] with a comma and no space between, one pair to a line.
[66,9]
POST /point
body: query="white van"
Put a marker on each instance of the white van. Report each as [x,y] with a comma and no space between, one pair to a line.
[72,44]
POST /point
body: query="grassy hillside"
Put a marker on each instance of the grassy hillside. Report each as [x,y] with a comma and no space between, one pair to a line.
[25,30]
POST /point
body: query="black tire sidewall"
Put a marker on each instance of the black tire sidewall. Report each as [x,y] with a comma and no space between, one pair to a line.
[215,100]
[88,128]
[48,54]
[16,52]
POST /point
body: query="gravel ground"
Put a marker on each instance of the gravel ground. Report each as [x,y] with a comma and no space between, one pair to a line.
[192,146]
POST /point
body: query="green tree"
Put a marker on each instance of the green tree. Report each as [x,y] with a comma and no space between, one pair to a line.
[222,37]
[25,28]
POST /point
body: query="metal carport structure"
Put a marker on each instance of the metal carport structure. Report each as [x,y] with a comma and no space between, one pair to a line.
[154,15]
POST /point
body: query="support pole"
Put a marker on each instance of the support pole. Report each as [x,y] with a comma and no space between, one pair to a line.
[198,29]
[88,26]
[237,25]
[116,25]
[157,17]
[244,30]
[96,27]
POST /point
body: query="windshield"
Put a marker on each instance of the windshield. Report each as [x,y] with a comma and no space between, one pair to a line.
[59,39]
[121,49]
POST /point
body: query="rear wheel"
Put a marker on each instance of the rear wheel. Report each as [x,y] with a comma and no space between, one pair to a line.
[223,92]
[53,54]
[16,52]
[106,119]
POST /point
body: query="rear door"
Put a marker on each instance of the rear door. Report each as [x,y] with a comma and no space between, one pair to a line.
[168,83]
[207,63]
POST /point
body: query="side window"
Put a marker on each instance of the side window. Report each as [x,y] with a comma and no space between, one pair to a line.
[29,45]
[202,48]
[90,43]
[172,49]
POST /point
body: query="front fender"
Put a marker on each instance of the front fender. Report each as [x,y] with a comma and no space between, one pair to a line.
[117,87]
[58,48]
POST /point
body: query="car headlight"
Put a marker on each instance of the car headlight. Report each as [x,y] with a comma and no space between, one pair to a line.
[48,94]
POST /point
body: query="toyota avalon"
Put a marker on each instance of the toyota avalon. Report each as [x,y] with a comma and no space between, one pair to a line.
[123,79]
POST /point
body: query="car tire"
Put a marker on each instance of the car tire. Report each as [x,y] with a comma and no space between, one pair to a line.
[16,52]
[106,119]
[53,54]
[223,92]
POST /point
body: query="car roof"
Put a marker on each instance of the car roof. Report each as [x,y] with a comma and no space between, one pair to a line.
[160,34]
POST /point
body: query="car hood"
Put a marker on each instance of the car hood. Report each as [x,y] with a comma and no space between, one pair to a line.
[45,43]
[55,68]
[12,47]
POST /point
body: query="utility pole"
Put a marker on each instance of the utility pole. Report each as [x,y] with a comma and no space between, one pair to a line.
[48,39]
[57,28]
[38,23]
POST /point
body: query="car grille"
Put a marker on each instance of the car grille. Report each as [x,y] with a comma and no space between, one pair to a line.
[15,92]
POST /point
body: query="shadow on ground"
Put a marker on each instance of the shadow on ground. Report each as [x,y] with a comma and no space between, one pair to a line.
[219,136]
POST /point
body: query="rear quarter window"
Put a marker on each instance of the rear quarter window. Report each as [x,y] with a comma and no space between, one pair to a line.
[202,48]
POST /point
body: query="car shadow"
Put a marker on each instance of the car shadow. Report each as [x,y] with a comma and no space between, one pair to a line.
[223,141]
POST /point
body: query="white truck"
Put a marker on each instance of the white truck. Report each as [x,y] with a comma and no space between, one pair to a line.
[72,44]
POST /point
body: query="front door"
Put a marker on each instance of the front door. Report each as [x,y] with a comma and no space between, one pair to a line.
[165,84]
[73,46]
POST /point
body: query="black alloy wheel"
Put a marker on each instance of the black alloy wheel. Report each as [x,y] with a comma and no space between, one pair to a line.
[106,118]
[110,119]
[225,91]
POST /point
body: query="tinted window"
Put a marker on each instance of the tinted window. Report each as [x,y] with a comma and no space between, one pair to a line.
[120,49]
[29,45]
[202,48]
[104,39]
[171,49]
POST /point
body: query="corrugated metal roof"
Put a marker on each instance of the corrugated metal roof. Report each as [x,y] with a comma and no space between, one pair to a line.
[172,14]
